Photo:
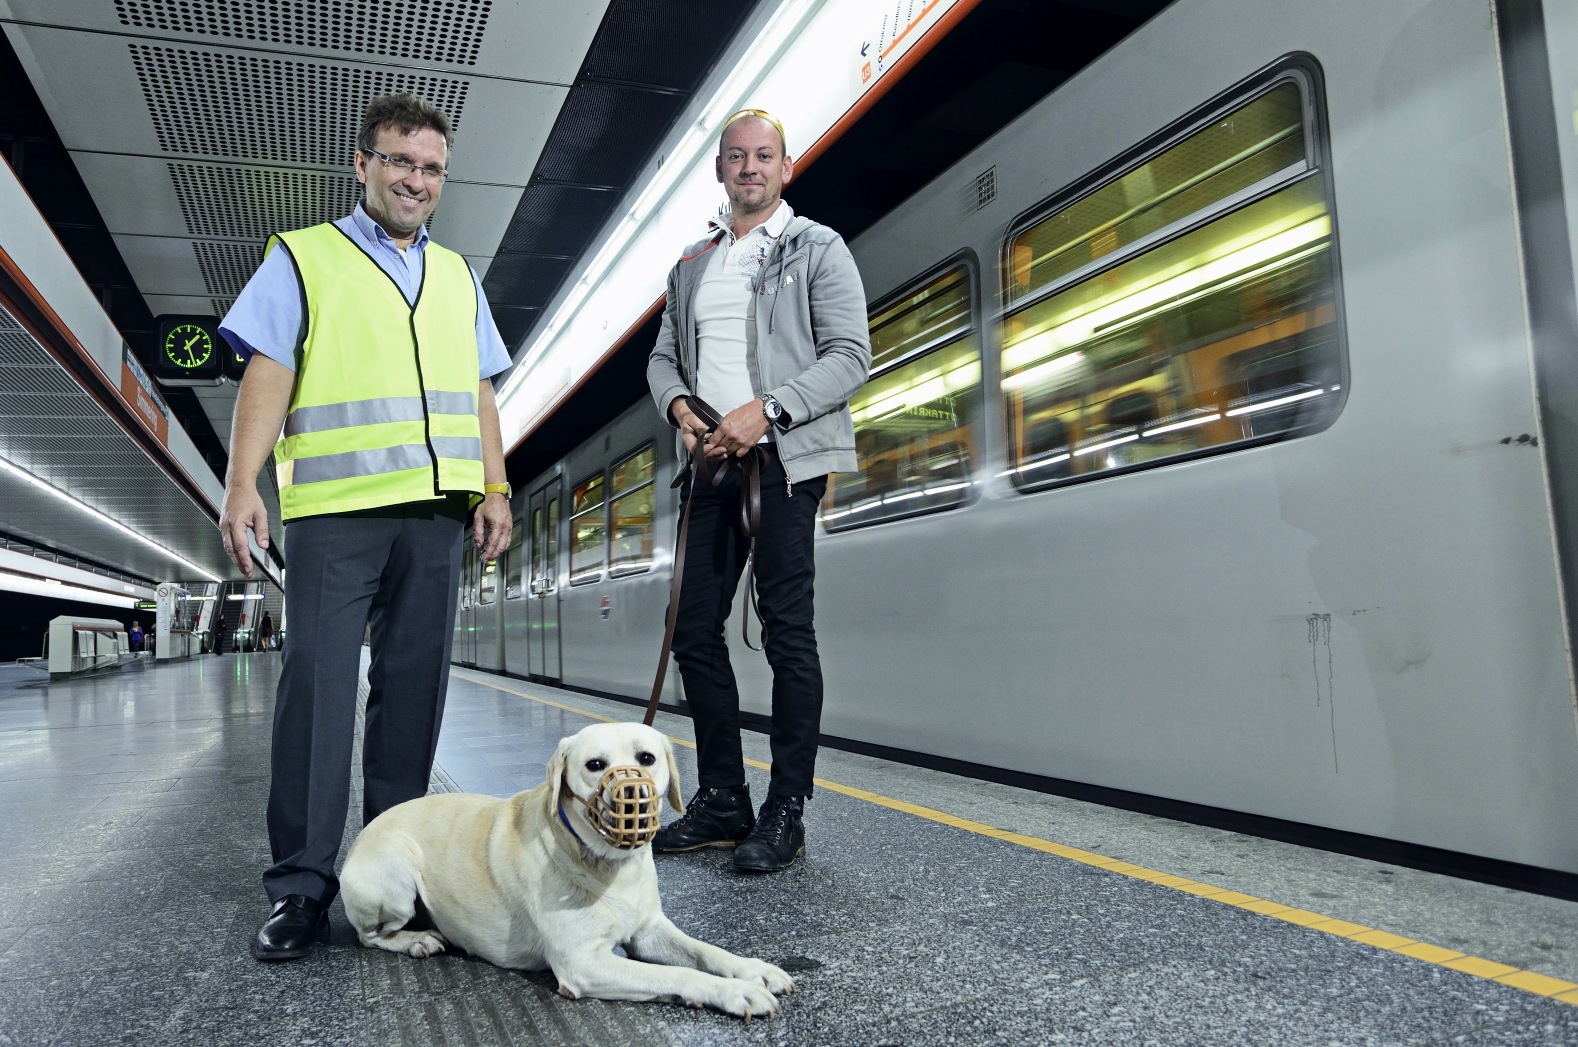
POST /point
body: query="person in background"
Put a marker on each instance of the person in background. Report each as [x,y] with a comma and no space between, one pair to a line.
[766,322]
[266,632]
[372,348]
[135,636]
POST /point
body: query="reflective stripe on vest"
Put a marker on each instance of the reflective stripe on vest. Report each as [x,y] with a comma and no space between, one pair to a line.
[347,464]
[384,409]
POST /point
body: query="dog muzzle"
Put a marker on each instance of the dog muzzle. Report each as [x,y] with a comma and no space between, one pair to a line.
[624,808]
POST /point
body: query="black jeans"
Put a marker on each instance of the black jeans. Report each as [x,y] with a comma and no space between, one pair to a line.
[396,569]
[785,582]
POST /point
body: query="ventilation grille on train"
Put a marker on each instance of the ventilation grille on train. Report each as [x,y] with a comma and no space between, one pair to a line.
[221,306]
[426,30]
[226,268]
[985,188]
[275,109]
[252,203]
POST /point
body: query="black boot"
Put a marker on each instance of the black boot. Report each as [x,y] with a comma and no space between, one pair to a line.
[296,923]
[713,818]
[777,840]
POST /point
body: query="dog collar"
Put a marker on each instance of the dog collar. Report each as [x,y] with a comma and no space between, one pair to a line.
[570,827]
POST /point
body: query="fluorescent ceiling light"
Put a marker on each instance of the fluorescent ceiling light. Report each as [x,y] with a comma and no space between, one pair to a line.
[1281,401]
[1041,372]
[84,507]
[21,583]
[1108,443]
[1186,423]
[753,65]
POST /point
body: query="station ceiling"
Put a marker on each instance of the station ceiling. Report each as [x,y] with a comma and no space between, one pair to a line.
[200,128]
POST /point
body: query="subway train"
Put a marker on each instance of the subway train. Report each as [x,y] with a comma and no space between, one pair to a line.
[1201,455]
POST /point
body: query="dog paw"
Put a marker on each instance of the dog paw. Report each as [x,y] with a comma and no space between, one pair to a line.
[426,943]
[744,999]
[776,981]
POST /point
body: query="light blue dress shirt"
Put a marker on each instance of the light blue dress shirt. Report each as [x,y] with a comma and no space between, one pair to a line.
[267,315]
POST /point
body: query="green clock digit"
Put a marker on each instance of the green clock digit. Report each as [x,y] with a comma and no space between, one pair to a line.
[188,346]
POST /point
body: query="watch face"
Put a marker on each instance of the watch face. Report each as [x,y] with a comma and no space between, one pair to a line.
[188,346]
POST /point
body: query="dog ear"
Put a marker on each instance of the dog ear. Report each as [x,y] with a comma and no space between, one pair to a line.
[556,765]
[676,799]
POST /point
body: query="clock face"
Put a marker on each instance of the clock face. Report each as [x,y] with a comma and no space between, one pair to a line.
[188,346]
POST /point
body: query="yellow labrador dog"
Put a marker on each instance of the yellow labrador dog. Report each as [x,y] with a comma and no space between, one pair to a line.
[556,876]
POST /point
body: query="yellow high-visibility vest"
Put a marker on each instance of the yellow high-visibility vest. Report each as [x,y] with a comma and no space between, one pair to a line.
[385,405]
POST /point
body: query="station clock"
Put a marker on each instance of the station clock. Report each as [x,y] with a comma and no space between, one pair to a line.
[190,351]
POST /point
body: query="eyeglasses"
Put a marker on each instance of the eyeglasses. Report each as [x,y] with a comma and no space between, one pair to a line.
[762,114]
[405,167]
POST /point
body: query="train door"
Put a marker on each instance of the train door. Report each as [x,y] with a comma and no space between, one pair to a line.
[544,633]
[466,620]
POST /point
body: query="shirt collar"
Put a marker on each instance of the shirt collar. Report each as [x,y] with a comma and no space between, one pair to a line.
[773,227]
[375,234]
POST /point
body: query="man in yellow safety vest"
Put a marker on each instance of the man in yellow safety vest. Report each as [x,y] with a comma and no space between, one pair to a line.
[371,351]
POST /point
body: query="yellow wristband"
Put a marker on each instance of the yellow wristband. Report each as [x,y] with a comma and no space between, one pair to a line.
[503,489]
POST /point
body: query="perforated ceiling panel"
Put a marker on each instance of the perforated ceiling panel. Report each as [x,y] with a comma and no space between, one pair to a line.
[258,108]
[252,203]
[426,30]
[226,267]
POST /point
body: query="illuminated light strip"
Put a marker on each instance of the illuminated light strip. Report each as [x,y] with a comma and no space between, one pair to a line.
[1084,327]
[1108,443]
[1212,417]
[1279,402]
[784,24]
[86,508]
[1504,974]
[1042,371]
[23,583]
[782,75]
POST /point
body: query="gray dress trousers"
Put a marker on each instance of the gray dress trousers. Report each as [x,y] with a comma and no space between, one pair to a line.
[397,570]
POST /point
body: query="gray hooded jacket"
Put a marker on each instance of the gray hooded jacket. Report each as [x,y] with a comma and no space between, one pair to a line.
[807,343]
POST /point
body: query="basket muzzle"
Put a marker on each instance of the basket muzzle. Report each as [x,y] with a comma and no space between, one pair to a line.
[624,807]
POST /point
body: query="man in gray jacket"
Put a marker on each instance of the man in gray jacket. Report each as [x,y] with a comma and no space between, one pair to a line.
[766,323]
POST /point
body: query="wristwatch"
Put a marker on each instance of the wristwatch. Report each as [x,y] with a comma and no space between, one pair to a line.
[503,489]
[772,409]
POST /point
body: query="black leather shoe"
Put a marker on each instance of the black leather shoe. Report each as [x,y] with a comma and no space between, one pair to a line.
[777,840]
[713,818]
[295,925]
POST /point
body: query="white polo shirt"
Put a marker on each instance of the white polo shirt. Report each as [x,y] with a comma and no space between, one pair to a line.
[723,300]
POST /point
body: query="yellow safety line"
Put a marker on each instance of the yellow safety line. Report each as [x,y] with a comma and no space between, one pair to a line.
[1530,981]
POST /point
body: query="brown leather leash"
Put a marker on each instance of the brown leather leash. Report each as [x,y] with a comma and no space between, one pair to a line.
[750,523]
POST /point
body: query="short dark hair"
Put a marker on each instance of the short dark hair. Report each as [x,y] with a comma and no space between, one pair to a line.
[406,111]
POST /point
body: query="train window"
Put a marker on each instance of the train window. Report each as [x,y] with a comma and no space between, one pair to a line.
[588,526]
[515,561]
[1188,304]
[551,558]
[489,585]
[634,503]
[916,419]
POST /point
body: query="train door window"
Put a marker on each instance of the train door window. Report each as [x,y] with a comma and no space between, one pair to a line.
[916,420]
[633,501]
[1188,305]
[539,568]
[588,529]
[515,561]
[552,575]
[488,582]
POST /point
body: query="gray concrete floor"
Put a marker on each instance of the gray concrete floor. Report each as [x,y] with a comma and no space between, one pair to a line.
[133,809]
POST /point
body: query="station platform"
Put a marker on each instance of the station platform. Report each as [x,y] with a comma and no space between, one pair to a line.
[928,909]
